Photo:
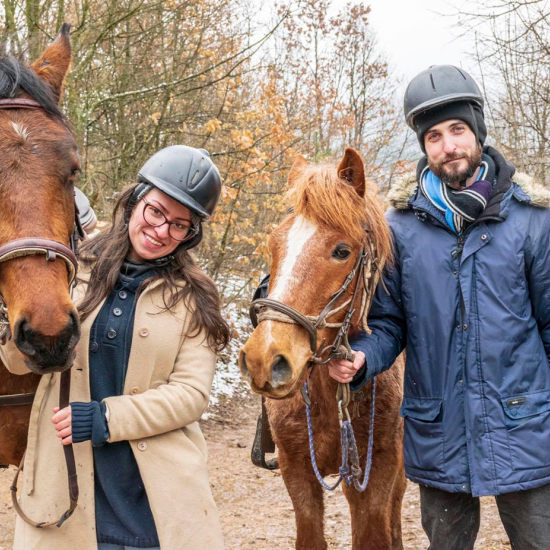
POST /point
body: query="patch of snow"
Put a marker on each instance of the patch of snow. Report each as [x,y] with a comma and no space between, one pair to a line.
[228,382]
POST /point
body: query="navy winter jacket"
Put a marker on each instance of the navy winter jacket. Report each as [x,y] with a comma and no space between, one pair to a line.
[474,316]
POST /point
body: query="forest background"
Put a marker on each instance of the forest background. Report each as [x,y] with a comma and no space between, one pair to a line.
[257,84]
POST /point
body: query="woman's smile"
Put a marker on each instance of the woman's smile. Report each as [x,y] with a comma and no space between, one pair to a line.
[151,242]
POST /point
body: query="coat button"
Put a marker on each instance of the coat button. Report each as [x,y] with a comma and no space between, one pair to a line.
[458,327]
[111,334]
[134,390]
[142,446]
[123,295]
[94,346]
[117,312]
[465,327]
[483,237]
[143,332]
[455,272]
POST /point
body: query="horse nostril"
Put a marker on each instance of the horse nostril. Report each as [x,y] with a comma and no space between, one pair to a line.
[22,334]
[243,365]
[281,372]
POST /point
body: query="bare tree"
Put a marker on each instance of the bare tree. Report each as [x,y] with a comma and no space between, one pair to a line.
[512,50]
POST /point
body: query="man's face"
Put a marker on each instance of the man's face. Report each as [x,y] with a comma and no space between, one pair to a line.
[453,151]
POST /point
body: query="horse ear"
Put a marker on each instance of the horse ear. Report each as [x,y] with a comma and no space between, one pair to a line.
[352,170]
[53,64]
[299,164]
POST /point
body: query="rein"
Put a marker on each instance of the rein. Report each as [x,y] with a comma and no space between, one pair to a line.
[52,250]
[367,271]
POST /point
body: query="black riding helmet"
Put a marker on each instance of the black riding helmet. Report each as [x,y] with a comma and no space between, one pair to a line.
[185,174]
[442,92]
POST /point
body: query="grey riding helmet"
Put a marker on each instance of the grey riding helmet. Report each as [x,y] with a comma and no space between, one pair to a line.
[442,92]
[86,214]
[185,174]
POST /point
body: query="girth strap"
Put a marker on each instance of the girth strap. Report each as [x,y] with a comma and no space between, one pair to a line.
[17,399]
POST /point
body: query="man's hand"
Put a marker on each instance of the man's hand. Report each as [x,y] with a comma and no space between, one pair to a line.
[343,371]
[63,424]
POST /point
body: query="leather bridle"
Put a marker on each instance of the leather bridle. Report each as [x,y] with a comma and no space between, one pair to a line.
[365,270]
[52,250]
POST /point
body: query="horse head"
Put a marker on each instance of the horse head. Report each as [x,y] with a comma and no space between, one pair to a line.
[334,214]
[38,164]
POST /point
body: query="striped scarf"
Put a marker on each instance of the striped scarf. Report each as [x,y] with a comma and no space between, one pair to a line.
[460,208]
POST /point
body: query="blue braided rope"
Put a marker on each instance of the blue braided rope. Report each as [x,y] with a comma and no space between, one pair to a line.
[349,449]
[312,450]
[362,486]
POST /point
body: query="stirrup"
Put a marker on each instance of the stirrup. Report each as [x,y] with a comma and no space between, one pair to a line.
[257,454]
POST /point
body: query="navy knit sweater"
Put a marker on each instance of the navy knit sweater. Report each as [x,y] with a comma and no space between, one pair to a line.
[123,514]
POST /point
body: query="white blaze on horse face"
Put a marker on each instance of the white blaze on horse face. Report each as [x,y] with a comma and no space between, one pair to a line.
[300,233]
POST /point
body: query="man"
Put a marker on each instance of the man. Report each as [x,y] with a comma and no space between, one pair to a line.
[469,298]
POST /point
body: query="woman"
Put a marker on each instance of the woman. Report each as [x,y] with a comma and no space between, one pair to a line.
[151,326]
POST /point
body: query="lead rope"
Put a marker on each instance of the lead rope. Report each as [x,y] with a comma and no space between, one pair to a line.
[350,469]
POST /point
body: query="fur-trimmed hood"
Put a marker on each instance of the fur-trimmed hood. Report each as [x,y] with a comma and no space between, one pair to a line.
[405,187]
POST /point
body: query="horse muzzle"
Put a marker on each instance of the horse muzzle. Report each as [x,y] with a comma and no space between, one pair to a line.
[44,354]
[276,377]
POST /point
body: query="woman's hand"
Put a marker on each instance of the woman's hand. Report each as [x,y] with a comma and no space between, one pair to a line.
[63,424]
[343,371]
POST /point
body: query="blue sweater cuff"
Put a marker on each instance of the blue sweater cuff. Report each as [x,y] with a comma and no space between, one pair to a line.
[363,375]
[89,423]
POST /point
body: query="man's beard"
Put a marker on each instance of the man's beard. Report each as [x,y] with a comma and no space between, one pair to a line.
[452,174]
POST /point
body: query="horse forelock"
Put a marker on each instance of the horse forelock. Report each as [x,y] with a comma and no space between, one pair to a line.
[319,195]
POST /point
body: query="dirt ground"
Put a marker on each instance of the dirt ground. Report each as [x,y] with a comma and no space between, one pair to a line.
[255,509]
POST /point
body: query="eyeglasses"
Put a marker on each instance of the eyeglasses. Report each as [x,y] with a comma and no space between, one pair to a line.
[179,231]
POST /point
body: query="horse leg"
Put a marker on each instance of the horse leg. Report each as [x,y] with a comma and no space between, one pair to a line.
[307,499]
[397,503]
[376,512]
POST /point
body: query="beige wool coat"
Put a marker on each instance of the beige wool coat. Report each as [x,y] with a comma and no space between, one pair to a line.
[166,391]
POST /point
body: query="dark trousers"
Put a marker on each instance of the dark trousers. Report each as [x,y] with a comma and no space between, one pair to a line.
[451,520]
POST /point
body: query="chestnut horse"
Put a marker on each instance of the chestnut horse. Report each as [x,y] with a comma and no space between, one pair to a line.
[335,213]
[38,163]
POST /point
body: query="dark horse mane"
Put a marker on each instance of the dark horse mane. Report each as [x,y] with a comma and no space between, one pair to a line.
[17,78]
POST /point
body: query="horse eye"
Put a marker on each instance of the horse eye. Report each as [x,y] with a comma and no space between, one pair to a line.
[341,253]
[75,172]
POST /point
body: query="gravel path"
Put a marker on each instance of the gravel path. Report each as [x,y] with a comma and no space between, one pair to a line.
[255,509]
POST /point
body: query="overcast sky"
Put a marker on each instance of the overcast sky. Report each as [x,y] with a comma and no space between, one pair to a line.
[414,35]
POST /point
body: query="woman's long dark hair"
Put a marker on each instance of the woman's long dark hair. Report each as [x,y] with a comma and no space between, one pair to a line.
[106,253]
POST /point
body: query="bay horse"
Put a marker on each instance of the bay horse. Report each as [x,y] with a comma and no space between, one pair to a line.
[335,213]
[38,164]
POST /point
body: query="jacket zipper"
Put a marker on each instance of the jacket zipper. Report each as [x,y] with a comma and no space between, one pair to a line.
[459,249]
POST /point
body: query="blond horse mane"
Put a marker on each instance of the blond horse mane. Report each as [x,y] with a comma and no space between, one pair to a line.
[320,195]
